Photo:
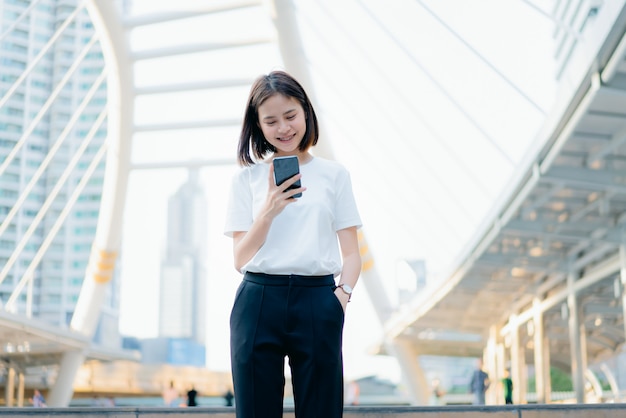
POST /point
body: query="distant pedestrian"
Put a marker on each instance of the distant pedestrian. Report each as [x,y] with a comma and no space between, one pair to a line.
[170,395]
[436,393]
[352,393]
[228,397]
[479,384]
[38,400]
[191,397]
[507,387]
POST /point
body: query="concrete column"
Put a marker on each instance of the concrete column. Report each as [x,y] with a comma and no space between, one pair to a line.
[501,366]
[516,365]
[61,393]
[412,374]
[523,379]
[20,389]
[583,346]
[622,274]
[547,379]
[9,392]
[491,365]
[575,341]
[538,339]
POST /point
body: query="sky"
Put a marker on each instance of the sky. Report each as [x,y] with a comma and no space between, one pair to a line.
[431,105]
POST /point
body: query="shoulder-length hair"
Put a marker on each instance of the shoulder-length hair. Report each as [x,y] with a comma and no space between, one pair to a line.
[251,138]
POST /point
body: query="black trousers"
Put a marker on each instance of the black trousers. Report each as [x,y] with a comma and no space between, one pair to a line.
[295,316]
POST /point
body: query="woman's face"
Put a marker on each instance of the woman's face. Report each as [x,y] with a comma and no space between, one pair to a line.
[283,123]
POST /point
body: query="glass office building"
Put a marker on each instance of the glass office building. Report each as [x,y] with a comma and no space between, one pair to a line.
[49,66]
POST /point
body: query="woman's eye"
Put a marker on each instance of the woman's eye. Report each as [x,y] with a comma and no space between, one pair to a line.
[270,123]
[291,117]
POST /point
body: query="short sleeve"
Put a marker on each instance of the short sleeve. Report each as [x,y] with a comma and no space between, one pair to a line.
[239,211]
[346,211]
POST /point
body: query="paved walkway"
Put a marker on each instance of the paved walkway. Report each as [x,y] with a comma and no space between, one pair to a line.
[512,411]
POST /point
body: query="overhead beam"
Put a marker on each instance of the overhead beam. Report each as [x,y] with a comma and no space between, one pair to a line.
[184,164]
[215,7]
[582,135]
[216,123]
[535,229]
[195,48]
[601,341]
[602,308]
[590,207]
[604,116]
[511,259]
[192,86]
[596,274]
[617,140]
[542,200]
[601,180]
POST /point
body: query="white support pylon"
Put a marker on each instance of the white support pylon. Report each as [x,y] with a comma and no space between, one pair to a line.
[294,59]
[107,241]
[292,51]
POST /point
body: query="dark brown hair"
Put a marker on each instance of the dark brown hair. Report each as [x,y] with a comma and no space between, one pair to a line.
[251,137]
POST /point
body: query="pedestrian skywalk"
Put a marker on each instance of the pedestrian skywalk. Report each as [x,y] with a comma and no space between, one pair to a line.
[517,205]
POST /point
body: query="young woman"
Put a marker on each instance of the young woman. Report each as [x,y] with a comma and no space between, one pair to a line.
[299,257]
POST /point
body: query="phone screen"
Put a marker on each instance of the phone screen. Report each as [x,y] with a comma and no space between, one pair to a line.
[285,168]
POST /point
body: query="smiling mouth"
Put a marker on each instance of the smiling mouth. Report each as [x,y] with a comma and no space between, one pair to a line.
[287,138]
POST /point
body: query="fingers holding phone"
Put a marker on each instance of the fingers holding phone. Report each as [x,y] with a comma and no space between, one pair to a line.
[287,174]
[292,188]
[278,196]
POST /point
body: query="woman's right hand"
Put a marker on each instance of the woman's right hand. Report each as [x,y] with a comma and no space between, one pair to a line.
[278,197]
[247,243]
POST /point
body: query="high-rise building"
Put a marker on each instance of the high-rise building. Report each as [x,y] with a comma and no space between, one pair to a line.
[183,274]
[182,304]
[49,62]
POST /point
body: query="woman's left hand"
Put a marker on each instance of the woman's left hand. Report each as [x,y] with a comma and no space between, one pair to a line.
[343,298]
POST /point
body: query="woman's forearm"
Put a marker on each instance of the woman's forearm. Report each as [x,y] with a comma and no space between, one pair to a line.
[350,255]
[247,244]
[351,269]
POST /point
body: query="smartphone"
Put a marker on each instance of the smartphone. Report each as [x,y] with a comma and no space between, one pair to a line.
[285,168]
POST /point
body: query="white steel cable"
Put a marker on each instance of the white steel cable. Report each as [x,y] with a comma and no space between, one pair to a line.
[21,17]
[397,91]
[482,58]
[57,225]
[570,30]
[52,151]
[436,83]
[52,196]
[39,56]
[46,106]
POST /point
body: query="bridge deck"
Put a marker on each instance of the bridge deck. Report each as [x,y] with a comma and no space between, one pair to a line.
[511,411]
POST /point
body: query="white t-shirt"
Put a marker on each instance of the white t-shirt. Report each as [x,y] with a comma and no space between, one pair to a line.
[303,237]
